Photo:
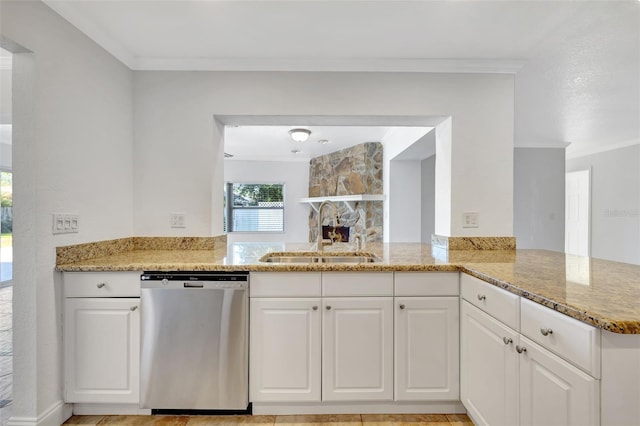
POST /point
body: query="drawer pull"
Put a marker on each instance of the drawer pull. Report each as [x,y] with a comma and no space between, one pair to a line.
[546,331]
[402,306]
[507,340]
[520,349]
[482,297]
[315,308]
[134,307]
[100,285]
[328,308]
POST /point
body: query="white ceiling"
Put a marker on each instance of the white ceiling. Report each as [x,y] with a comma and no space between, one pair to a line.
[273,142]
[577,62]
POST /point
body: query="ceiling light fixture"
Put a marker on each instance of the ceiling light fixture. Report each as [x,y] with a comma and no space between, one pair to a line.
[299,135]
[295,151]
[323,141]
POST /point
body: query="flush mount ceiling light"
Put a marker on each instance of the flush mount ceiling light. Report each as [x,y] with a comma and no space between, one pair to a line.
[295,151]
[299,135]
[323,141]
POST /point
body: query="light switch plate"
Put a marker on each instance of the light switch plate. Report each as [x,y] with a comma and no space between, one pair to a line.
[470,220]
[178,220]
[64,223]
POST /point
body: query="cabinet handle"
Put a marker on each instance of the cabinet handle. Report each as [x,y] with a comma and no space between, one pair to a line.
[402,306]
[328,308]
[520,349]
[315,308]
[134,307]
[507,340]
[482,297]
[100,285]
[546,331]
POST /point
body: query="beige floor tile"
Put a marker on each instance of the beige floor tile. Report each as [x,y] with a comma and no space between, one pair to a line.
[404,420]
[83,420]
[231,420]
[320,419]
[144,420]
[459,420]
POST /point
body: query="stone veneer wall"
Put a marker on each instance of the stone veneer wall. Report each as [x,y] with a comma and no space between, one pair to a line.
[352,171]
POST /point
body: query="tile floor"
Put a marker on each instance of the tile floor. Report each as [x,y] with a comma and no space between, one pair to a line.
[307,420]
[6,353]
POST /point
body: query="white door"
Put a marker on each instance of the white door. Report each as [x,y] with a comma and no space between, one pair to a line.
[553,392]
[284,354]
[357,352]
[426,358]
[102,350]
[488,368]
[577,212]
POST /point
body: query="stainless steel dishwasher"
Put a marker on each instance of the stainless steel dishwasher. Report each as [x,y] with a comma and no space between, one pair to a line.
[194,353]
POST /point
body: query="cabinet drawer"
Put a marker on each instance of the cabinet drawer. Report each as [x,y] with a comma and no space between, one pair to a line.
[101,284]
[426,284]
[337,284]
[573,340]
[498,303]
[285,284]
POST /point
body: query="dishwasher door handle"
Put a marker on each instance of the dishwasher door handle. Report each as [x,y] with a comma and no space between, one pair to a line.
[193,285]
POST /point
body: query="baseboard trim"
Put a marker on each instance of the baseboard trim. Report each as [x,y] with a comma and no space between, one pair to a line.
[55,415]
[109,409]
[439,407]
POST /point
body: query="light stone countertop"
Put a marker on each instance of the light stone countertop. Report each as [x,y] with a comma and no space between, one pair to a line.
[598,292]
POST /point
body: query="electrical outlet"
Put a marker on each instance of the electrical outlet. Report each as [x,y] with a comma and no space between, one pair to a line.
[178,220]
[470,220]
[65,223]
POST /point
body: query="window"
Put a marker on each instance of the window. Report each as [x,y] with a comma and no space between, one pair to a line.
[254,207]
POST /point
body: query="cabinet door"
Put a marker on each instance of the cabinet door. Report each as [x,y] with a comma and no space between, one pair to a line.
[357,352]
[553,392]
[426,361]
[284,354]
[488,368]
[102,350]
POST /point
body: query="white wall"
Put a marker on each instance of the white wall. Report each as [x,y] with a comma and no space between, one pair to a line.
[428,190]
[405,201]
[295,176]
[173,130]
[538,198]
[615,202]
[72,141]
[5,96]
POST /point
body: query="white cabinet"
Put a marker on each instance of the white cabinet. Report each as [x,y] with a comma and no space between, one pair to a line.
[553,392]
[357,349]
[508,379]
[488,368]
[285,337]
[285,349]
[426,361]
[426,336]
[101,335]
[102,350]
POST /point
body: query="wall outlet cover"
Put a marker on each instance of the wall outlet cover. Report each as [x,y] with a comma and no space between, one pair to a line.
[470,220]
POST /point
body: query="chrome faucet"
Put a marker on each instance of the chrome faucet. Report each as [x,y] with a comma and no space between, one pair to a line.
[321,242]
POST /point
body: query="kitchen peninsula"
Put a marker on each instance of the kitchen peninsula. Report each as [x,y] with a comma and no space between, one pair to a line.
[594,302]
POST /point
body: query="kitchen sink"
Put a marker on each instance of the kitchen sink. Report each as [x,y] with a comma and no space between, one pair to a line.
[319,258]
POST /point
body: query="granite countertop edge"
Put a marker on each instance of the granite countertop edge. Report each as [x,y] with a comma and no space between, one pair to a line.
[610,324]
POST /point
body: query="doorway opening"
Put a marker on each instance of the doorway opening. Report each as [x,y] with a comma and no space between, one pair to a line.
[578,213]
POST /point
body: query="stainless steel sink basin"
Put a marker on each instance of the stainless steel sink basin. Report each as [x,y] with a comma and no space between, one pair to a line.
[318,258]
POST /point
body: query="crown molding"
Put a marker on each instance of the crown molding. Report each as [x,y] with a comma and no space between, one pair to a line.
[499,66]
[577,152]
